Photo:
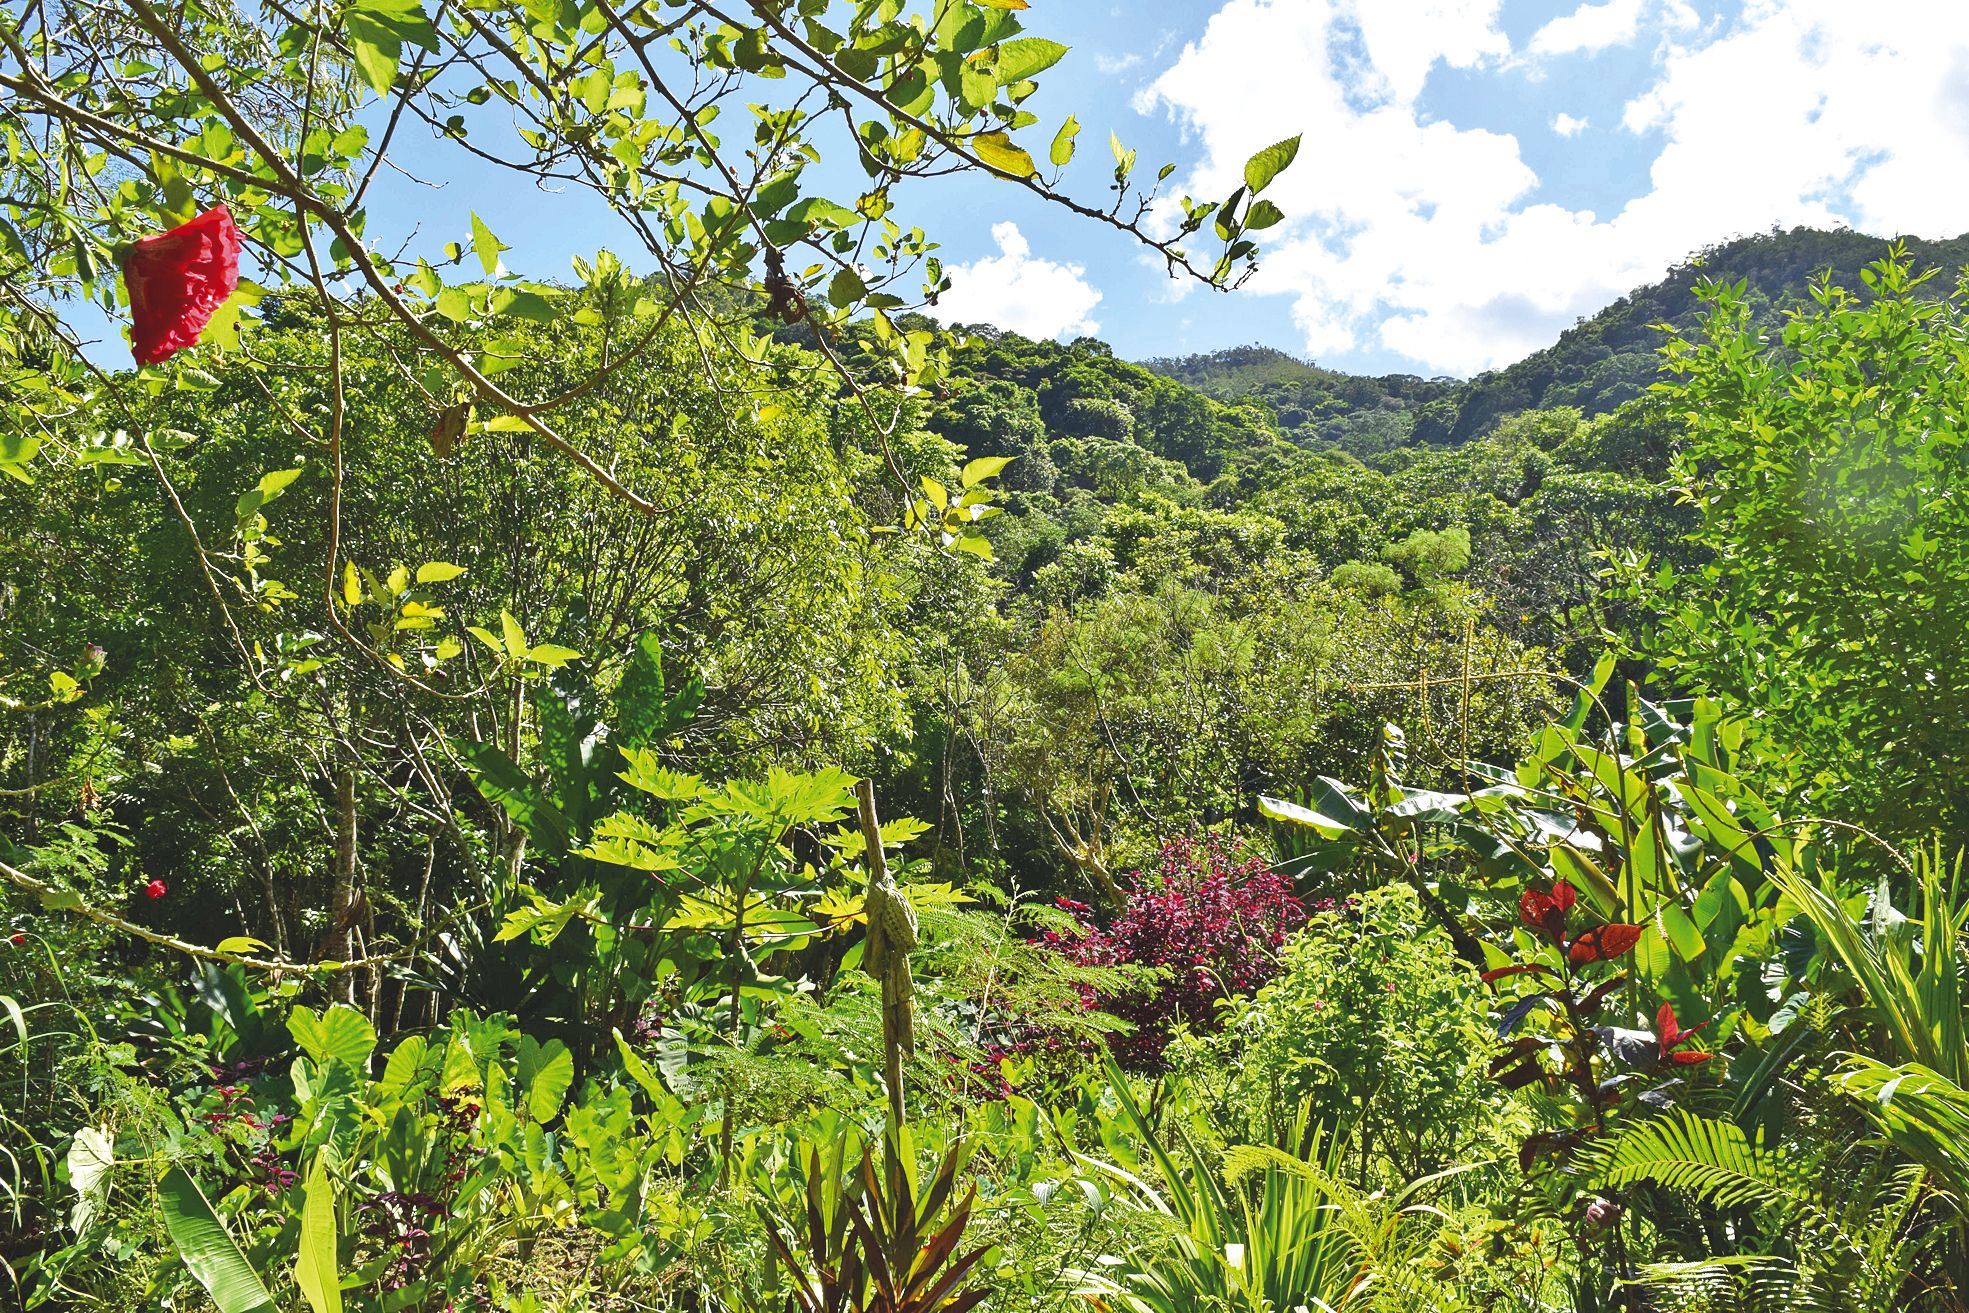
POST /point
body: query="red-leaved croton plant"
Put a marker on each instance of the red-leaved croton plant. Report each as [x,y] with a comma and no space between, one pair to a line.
[176,280]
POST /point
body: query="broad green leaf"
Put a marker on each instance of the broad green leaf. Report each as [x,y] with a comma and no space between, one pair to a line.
[1268,163]
[316,1267]
[1028,55]
[545,1071]
[507,787]
[984,467]
[269,487]
[205,1248]
[485,245]
[377,31]
[1681,933]
[998,152]
[551,655]
[1279,809]
[846,289]
[341,1034]
[438,572]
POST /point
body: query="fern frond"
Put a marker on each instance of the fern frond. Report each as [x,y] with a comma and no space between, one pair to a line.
[1701,1156]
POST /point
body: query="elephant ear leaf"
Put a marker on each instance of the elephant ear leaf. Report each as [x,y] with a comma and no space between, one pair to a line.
[208,1251]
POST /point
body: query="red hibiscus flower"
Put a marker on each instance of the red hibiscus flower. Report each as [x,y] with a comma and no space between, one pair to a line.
[176,280]
[1669,1033]
[155,889]
[18,940]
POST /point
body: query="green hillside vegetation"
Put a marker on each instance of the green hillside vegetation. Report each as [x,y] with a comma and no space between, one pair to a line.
[1596,366]
[685,788]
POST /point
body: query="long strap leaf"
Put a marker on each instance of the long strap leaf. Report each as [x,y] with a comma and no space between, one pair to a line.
[315,1268]
[209,1253]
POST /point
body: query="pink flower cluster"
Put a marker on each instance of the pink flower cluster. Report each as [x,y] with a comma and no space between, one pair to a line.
[1208,912]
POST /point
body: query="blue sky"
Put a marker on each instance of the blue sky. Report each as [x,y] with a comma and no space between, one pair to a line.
[1477,173]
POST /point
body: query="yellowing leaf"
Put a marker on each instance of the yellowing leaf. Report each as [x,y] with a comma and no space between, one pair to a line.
[438,572]
[351,584]
[996,150]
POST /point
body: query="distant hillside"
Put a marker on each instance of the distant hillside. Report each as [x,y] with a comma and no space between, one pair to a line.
[1595,365]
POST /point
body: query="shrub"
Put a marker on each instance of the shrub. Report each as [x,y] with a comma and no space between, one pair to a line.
[1374,1020]
[1209,917]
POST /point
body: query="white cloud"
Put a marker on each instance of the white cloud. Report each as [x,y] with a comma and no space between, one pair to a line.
[1037,297]
[1589,28]
[1437,241]
[1567,126]
[1111,65]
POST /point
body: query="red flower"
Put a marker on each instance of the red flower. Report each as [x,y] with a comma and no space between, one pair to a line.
[176,280]
[1669,1033]
[155,889]
[18,940]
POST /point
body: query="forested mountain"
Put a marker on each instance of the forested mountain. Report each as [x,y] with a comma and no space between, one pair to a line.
[1597,364]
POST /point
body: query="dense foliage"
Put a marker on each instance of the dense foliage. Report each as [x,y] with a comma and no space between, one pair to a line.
[694,789]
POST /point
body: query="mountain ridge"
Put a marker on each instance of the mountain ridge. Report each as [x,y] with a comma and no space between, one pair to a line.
[1603,360]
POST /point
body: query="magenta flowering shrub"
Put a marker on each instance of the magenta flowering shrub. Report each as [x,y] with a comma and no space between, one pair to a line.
[1209,913]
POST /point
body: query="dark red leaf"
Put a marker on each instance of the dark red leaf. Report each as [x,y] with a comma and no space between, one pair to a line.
[1519,1077]
[1602,990]
[1489,977]
[176,280]
[1546,912]
[1604,943]
[1689,1056]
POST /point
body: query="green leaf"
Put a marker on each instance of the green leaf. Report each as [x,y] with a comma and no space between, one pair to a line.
[984,467]
[486,245]
[507,787]
[377,31]
[1022,58]
[438,572]
[340,1034]
[846,289]
[1268,163]
[515,636]
[1262,215]
[269,487]
[1062,151]
[1681,932]
[545,1073]
[998,152]
[316,1268]
[205,1248]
